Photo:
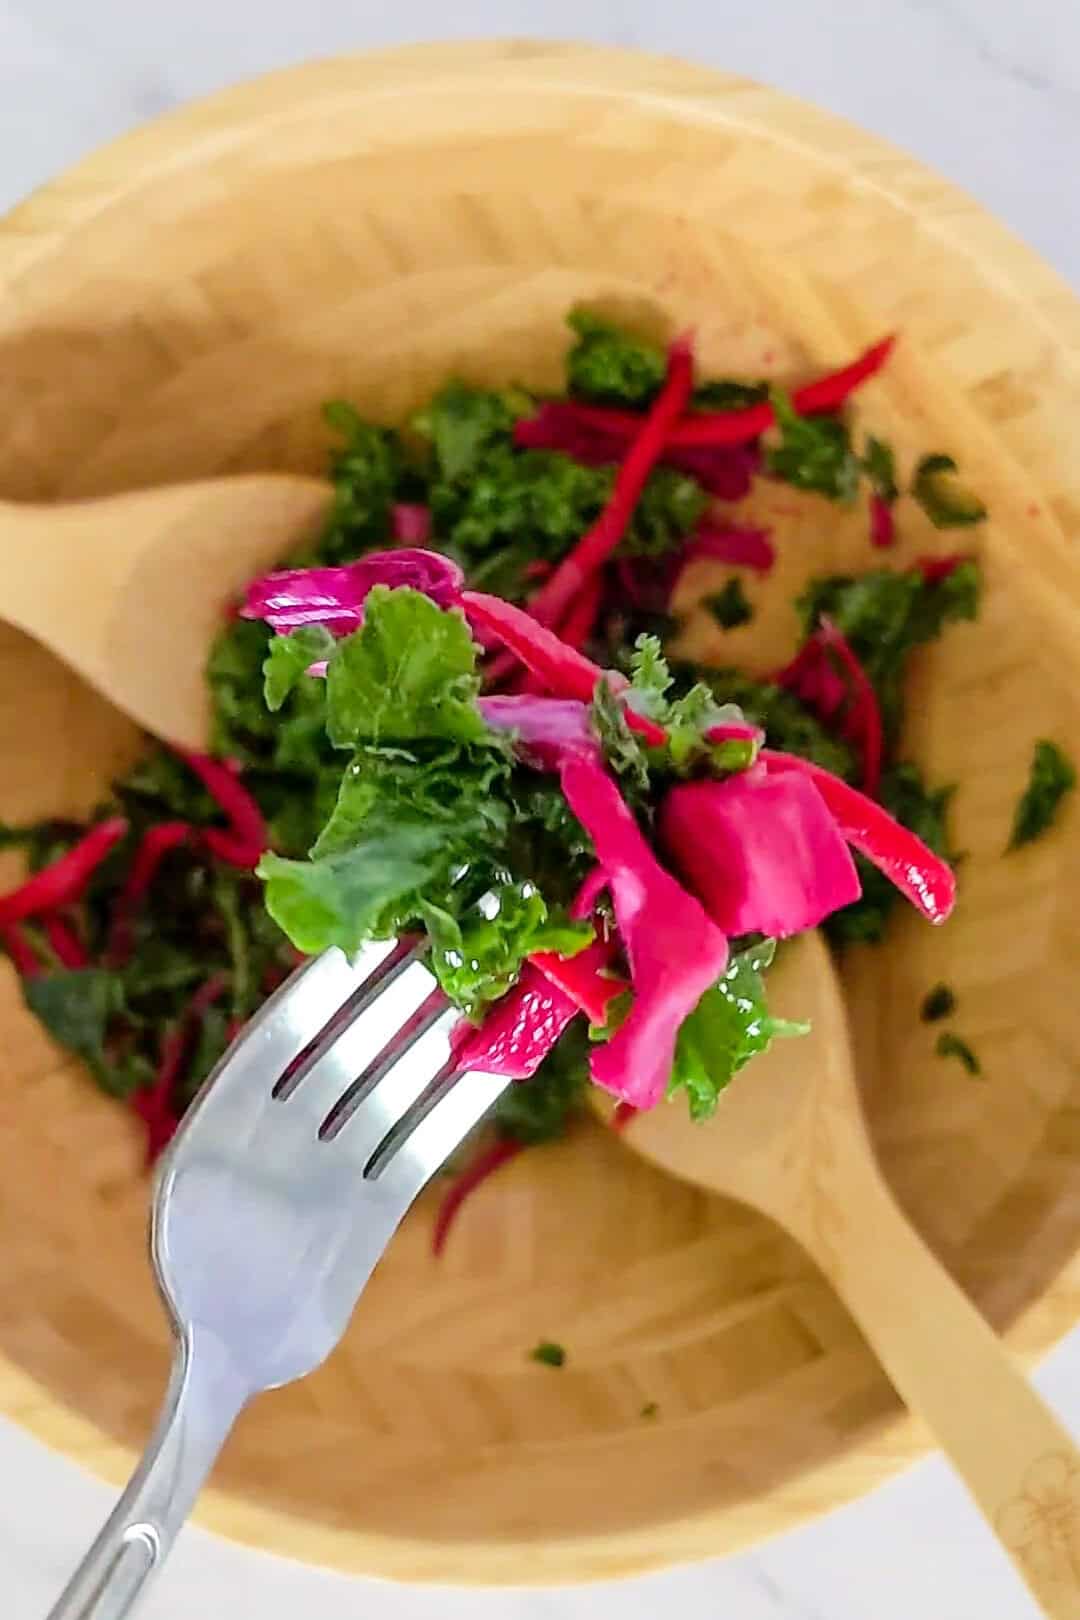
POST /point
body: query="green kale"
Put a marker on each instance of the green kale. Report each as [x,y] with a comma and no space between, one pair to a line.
[75,1006]
[670,507]
[687,715]
[367,471]
[879,465]
[940,1002]
[950,1045]
[885,614]
[1052,778]
[607,366]
[477,958]
[730,1025]
[409,673]
[788,724]
[923,810]
[427,830]
[945,501]
[729,606]
[813,453]
[288,659]
[726,394]
[463,425]
[548,1354]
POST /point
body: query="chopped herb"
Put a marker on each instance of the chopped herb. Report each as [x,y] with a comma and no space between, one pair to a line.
[885,614]
[814,452]
[940,1002]
[730,1025]
[950,1045]
[610,368]
[787,722]
[946,502]
[367,471]
[729,606]
[650,1409]
[726,394]
[548,1354]
[1052,778]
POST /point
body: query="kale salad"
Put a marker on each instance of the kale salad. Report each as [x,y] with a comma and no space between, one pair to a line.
[458,714]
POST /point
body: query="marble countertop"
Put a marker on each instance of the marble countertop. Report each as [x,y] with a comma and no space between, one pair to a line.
[988,93]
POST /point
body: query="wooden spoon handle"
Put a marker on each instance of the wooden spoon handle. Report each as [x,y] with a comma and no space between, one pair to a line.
[950,1368]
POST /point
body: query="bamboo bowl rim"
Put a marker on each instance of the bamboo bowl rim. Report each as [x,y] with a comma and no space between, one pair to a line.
[36,230]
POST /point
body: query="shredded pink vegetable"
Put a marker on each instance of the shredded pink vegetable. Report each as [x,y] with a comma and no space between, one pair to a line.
[674,950]
[729,543]
[411,524]
[763,852]
[594,548]
[923,877]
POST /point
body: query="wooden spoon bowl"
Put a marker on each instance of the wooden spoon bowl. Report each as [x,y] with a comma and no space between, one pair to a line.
[178,308]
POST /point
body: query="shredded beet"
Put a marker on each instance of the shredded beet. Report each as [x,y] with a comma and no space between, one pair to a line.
[64,942]
[154,845]
[245,839]
[882,522]
[846,695]
[580,621]
[464,1185]
[730,543]
[622,1114]
[935,569]
[725,471]
[65,881]
[410,523]
[155,1104]
[726,428]
[595,547]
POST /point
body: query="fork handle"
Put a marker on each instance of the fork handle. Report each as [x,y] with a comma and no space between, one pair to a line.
[203,1401]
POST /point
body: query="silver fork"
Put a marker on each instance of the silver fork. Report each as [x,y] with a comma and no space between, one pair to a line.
[278,1196]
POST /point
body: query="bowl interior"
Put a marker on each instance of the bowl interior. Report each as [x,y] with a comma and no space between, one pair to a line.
[181,307]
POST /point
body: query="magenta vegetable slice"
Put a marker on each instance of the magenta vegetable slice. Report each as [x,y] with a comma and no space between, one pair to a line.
[763,852]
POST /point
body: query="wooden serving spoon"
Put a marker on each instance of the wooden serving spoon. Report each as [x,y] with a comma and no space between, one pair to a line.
[789,1138]
[129,589]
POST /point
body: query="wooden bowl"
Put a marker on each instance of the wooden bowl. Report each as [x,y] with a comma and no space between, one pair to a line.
[179,305]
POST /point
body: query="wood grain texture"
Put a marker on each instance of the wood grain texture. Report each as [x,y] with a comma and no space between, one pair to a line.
[177,307]
[790,1139]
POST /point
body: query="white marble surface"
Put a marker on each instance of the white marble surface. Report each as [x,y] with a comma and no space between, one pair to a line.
[988,92]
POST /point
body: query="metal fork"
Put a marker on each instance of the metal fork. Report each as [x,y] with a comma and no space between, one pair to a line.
[278,1196]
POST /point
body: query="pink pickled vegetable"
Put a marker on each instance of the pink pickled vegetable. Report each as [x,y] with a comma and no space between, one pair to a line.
[674,950]
[520,1029]
[546,727]
[334,597]
[763,852]
[564,670]
[920,875]
[411,524]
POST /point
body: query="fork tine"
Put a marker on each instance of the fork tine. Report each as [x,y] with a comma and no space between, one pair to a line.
[423,1139]
[367,1025]
[287,1024]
